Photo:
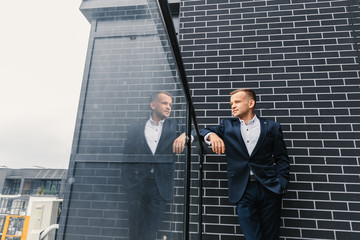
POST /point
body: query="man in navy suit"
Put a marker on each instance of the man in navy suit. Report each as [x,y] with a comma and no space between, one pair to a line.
[257,165]
[151,145]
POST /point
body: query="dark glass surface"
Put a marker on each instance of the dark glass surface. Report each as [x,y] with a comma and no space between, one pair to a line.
[117,182]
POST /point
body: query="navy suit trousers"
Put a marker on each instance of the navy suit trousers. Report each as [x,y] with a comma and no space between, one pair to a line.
[146,210]
[259,212]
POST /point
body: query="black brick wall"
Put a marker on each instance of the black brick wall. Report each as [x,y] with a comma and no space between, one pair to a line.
[302,59]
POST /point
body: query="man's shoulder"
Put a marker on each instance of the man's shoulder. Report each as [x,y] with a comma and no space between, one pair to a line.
[136,123]
[269,121]
[229,119]
[176,119]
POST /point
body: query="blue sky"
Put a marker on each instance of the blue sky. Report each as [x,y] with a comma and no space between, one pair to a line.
[43,47]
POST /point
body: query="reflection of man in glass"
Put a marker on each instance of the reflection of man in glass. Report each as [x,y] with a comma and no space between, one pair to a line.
[149,179]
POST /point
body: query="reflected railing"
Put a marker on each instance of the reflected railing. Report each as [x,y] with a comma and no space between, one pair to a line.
[171,33]
[133,53]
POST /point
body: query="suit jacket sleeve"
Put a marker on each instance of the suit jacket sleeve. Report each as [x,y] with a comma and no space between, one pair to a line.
[218,130]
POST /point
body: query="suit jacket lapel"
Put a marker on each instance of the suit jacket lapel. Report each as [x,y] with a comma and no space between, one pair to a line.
[164,135]
[147,149]
[238,135]
[263,130]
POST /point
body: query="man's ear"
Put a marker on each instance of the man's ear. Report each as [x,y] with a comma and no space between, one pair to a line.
[152,105]
[252,103]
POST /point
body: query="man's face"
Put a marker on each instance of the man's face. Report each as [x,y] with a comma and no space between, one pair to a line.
[241,104]
[162,106]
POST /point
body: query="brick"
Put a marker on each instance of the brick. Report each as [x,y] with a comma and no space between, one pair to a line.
[300,223]
[318,234]
[286,213]
[331,205]
[326,169]
[352,170]
[339,144]
[229,220]
[324,152]
[344,161]
[354,206]
[346,215]
[210,236]
[355,226]
[314,195]
[307,143]
[307,127]
[297,204]
[350,152]
[352,188]
[219,210]
[349,135]
[291,232]
[320,120]
[344,178]
[303,112]
[315,214]
[347,235]
[311,177]
[300,168]
[328,187]
[323,135]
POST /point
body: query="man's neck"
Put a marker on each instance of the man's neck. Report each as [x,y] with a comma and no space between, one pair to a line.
[247,118]
[156,119]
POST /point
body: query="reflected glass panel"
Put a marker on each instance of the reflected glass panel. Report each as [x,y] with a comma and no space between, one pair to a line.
[128,180]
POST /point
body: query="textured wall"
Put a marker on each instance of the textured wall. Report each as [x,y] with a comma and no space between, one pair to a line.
[302,59]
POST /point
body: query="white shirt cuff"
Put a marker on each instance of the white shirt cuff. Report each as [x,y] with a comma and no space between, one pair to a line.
[206,138]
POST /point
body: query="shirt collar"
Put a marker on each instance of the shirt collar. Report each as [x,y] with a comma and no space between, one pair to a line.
[251,122]
[154,123]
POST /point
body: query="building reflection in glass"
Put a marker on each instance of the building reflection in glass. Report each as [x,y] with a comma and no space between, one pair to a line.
[124,176]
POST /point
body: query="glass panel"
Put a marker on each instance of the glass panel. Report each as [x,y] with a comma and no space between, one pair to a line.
[13,206]
[2,223]
[127,182]
[41,187]
[11,187]
[15,227]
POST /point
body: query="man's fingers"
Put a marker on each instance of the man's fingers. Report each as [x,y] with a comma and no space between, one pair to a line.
[178,148]
[218,146]
[179,145]
[181,149]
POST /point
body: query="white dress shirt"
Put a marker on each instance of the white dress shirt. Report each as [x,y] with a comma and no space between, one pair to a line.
[250,133]
[153,133]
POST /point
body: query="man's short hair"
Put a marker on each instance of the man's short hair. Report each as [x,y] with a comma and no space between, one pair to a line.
[250,93]
[156,94]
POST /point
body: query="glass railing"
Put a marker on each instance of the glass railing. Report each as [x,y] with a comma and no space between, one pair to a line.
[135,166]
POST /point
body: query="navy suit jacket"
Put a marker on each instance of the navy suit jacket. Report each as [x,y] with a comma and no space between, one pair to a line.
[142,159]
[269,160]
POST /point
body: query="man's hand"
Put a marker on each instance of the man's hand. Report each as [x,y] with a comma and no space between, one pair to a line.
[179,144]
[217,143]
